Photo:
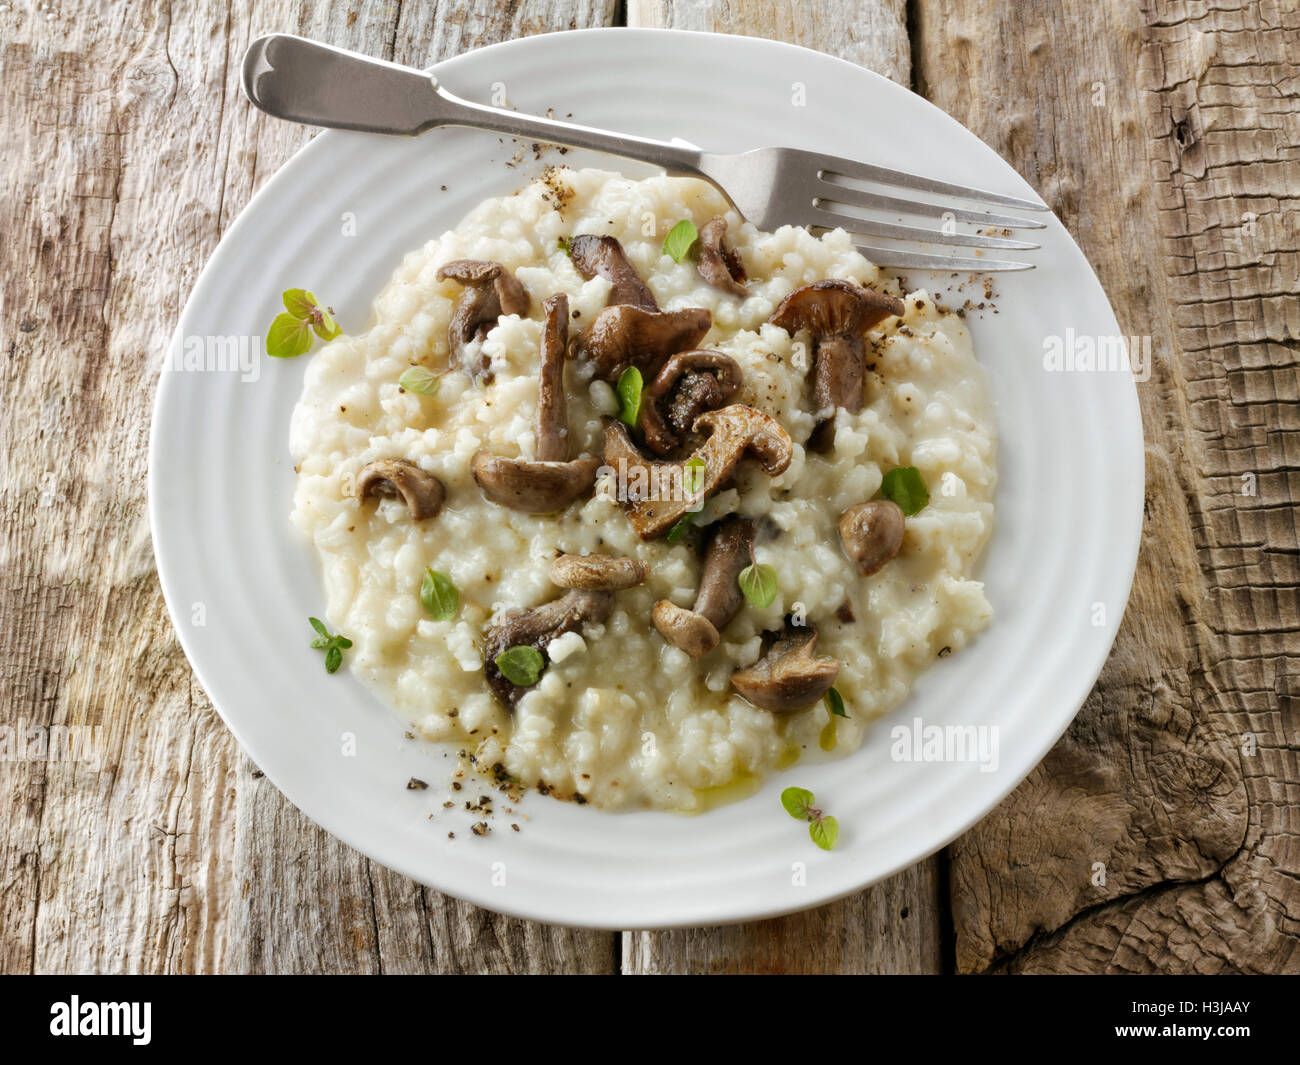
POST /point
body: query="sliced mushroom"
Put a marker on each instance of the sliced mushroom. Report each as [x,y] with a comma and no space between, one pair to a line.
[690,383]
[422,492]
[547,483]
[604,257]
[872,533]
[537,628]
[734,431]
[623,336]
[789,676]
[490,291]
[697,631]
[598,572]
[719,265]
[835,314]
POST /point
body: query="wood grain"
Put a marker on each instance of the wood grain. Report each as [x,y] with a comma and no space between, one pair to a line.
[1165,135]
[132,151]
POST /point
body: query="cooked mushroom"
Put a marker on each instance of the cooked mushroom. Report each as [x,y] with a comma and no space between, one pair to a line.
[871,533]
[548,482]
[734,431]
[604,257]
[719,265]
[697,631]
[789,676]
[537,628]
[623,336]
[490,291]
[690,383]
[598,572]
[422,492]
[835,314]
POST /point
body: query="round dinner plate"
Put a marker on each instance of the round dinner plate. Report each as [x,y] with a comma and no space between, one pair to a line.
[240,581]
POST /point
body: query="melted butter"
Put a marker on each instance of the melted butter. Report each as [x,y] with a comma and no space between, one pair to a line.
[788,756]
[827,740]
[741,786]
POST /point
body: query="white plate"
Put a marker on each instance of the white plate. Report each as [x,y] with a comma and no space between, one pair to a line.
[240,582]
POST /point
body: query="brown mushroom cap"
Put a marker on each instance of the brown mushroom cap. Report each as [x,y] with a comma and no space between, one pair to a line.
[422,492]
[623,336]
[598,572]
[872,533]
[490,291]
[735,431]
[537,628]
[835,314]
[546,483]
[690,383]
[685,629]
[789,676]
[719,265]
[604,257]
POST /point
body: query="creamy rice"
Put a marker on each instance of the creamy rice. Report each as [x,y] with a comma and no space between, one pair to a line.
[621,717]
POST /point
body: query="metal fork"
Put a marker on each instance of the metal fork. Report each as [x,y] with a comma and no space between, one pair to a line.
[303,81]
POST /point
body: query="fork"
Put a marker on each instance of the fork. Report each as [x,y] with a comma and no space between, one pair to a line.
[319,85]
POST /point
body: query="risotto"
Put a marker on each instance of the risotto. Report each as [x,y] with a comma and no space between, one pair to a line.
[671,502]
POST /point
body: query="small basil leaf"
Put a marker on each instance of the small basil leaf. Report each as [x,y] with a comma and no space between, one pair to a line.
[521,665]
[333,659]
[758,584]
[439,595]
[326,325]
[678,531]
[629,388]
[319,626]
[835,703]
[825,832]
[797,802]
[681,238]
[905,486]
[287,337]
[300,303]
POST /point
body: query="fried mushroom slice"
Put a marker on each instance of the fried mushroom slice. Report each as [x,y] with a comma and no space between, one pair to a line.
[490,291]
[789,676]
[872,533]
[835,314]
[537,628]
[734,432]
[719,265]
[690,383]
[598,572]
[697,631]
[623,336]
[547,483]
[604,257]
[420,490]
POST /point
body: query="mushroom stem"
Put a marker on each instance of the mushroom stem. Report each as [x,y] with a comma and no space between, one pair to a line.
[402,479]
[604,257]
[720,597]
[552,413]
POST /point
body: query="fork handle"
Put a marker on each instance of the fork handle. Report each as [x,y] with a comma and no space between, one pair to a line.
[315,84]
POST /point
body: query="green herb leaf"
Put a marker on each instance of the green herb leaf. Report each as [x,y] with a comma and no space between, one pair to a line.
[300,303]
[521,665]
[824,832]
[333,646]
[678,531]
[835,703]
[681,238]
[439,595]
[564,245]
[629,395]
[797,802]
[326,325]
[905,486]
[287,337]
[758,583]
[693,475]
[420,380]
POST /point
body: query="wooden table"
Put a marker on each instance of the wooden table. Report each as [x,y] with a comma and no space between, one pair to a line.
[1160,835]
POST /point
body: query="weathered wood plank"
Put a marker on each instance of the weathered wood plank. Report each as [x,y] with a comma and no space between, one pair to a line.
[1165,135]
[894,926]
[133,152]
